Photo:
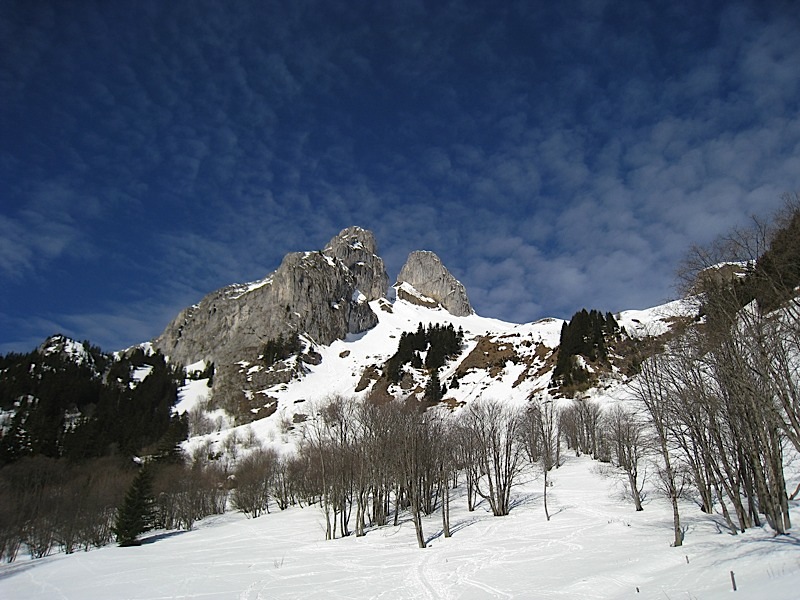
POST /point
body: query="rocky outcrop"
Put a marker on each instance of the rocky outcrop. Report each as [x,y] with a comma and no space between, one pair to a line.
[431,281]
[315,293]
[357,250]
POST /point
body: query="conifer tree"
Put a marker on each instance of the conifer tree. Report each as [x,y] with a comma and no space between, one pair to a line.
[433,391]
[136,514]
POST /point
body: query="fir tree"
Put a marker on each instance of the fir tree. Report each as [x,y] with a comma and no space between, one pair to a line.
[434,391]
[136,514]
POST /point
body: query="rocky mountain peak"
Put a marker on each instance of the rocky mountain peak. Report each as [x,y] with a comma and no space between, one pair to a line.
[67,347]
[321,294]
[426,274]
[357,250]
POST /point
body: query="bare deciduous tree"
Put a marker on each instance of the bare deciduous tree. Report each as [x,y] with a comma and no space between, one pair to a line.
[626,435]
[542,429]
[651,389]
[253,476]
[494,429]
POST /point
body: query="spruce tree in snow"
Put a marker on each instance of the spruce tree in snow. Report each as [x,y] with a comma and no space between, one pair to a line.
[135,516]
[434,390]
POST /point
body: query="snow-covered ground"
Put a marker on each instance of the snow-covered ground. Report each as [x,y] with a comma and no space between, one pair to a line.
[344,361]
[595,546]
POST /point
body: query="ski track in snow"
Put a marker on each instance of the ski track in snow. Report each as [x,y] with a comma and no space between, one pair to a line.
[594,547]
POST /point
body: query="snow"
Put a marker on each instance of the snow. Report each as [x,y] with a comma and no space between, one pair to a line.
[655,321]
[73,349]
[412,291]
[140,373]
[595,546]
[192,393]
[237,291]
[344,361]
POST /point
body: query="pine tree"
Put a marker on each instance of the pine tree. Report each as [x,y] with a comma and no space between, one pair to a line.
[136,514]
[434,391]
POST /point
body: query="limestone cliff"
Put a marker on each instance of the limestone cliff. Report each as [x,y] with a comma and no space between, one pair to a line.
[357,250]
[426,274]
[321,294]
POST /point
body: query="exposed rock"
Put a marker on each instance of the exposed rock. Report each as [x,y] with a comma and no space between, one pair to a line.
[490,355]
[311,357]
[67,348]
[322,296]
[718,275]
[358,251]
[312,293]
[426,274]
[405,291]
[368,377]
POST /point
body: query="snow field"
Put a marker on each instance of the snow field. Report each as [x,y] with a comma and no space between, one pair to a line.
[595,546]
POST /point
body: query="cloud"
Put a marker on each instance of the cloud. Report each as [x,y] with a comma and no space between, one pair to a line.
[49,226]
[554,157]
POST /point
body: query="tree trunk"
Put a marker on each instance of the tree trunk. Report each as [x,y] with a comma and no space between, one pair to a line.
[546,512]
[446,510]
[635,495]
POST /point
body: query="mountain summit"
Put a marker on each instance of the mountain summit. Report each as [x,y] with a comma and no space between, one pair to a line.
[357,250]
[323,295]
[312,299]
[426,274]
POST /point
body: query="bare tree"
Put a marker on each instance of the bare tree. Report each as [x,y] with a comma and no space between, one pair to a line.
[414,453]
[580,423]
[494,429]
[466,456]
[447,463]
[651,389]
[626,434]
[253,476]
[545,418]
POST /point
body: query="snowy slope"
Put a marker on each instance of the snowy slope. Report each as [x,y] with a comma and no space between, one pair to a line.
[525,373]
[344,362]
[595,546]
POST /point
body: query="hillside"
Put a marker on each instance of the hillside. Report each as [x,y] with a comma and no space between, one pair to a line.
[646,452]
[503,361]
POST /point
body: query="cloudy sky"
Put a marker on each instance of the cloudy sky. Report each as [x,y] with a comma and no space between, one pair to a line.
[555,155]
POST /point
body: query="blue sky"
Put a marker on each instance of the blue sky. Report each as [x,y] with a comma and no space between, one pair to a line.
[555,155]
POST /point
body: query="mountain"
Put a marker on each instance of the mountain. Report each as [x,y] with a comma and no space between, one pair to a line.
[275,343]
[429,283]
[679,421]
[324,295]
[323,324]
[70,400]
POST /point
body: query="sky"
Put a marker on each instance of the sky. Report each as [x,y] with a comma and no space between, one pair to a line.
[555,155]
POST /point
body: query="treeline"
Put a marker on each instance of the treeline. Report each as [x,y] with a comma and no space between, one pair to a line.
[364,464]
[585,337]
[81,409]
[281,348]
[49,504]
[437,342]
[73,418]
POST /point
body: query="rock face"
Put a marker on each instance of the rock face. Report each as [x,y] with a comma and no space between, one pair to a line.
[321,294]
[426,274]
[356,248]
